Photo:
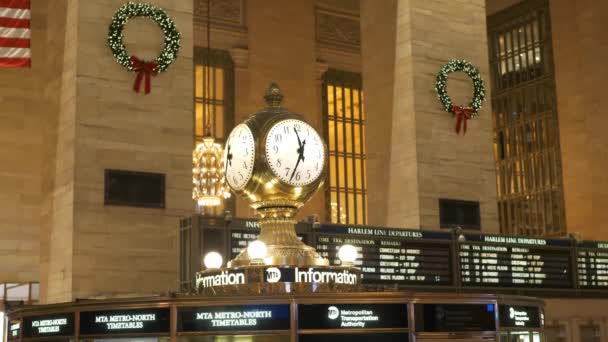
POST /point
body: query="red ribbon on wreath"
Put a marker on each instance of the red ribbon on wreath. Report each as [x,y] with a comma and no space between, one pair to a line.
[144,70]
[462,114]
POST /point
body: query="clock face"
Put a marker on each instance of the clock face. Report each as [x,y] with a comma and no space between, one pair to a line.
[239,154]
[295,152]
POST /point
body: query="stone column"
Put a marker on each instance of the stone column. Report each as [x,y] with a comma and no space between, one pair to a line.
[103,124]
[426,159]
[378,31]
[580,46]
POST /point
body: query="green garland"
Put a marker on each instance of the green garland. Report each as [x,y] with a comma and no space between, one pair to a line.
[140,9]
[479,92]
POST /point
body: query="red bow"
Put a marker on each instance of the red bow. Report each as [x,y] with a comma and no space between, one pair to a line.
[463,114]
[143,69]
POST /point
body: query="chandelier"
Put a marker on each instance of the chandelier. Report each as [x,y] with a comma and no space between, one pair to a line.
[208,173]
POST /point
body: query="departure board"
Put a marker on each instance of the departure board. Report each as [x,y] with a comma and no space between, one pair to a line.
[512,261]
[391,256]
[592,259]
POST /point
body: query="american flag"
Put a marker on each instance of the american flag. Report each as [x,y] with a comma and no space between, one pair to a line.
[15,33]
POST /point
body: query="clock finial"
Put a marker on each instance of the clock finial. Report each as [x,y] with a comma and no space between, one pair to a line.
[273,95]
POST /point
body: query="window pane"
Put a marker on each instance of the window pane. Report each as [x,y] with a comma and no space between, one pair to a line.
[356,107]
[199,81]
[339,103]
[199,119]
[219,121]
[332,171]
[351,208]
[341,208]
[347,104]
[219,84]
[348,139]
[340,133]
[360,208]
[349,172]
[331,129]
[330,100]
[357,137]
[358,175]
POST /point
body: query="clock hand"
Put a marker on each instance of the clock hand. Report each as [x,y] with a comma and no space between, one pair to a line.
[300,158]
[229,156]
[298,136]
[294,169]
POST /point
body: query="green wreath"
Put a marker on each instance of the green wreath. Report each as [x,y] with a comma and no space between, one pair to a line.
[479,92]
[140,9]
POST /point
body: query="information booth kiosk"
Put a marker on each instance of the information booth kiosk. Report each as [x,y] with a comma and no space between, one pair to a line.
[344,317]
[285,286]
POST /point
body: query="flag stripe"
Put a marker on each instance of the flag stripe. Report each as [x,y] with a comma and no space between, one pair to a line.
[14,52]
[24,4]
[15,33]
[6,32]
[14,23]
[14,42]
[6,12]
[15,62]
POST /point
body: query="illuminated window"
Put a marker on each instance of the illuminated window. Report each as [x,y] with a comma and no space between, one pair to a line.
[526,130]
[214,105]
[344,121]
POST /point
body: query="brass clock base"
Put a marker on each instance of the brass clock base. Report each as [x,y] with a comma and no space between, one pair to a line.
[277,231]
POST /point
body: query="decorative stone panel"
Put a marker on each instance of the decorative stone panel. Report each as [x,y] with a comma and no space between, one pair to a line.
[338,30]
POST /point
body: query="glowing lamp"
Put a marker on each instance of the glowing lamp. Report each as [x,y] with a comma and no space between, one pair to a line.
[257,251]
[347,254]
[213,260]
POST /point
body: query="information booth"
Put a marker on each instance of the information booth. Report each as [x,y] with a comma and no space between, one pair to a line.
[342,317]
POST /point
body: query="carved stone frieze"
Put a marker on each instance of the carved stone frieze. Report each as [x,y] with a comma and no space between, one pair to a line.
[338,30]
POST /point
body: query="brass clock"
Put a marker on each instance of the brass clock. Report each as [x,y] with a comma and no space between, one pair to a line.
[275,158]
[277,161]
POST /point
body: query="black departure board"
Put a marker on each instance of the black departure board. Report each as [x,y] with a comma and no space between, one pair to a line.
[592,260]
[515,261]
[391,256]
